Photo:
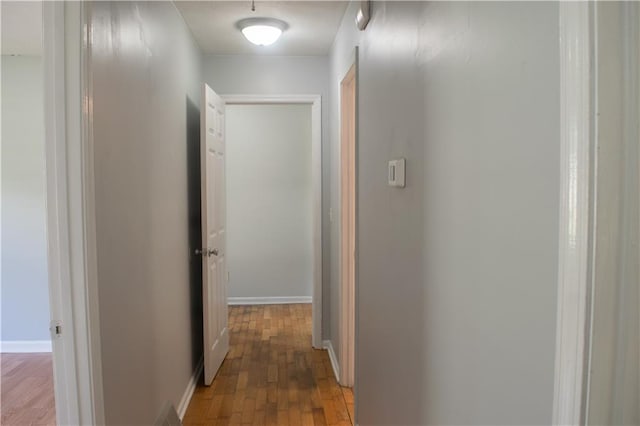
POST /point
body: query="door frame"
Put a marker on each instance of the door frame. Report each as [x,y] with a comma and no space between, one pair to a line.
[316,171]
[577,170]
[580,215]
[346,320]
[71,238]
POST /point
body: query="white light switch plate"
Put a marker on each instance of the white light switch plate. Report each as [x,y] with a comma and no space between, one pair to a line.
[396,173]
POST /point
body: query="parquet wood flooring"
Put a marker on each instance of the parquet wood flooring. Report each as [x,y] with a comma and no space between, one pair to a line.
[27,396]
[272,375]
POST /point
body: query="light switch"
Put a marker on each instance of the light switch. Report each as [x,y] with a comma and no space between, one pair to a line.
[397,173]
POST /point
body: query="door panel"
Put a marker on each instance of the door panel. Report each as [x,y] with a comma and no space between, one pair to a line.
[214,285]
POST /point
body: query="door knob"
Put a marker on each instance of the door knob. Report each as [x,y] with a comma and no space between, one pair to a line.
[213,252]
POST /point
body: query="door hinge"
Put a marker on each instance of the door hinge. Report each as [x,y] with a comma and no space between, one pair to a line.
[56,329]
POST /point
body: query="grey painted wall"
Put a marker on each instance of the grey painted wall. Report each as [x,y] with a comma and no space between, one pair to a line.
[456,296]
[146,89]
[25,289]
[283,75]
[269,200]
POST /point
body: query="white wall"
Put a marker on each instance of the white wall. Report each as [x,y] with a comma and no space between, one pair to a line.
[269,200]
[25,291]
[284,75]
[146,91]
[463,261]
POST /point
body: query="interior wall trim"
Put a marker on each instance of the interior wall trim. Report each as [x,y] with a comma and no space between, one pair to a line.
[268,300]
[576,211]
[25,346]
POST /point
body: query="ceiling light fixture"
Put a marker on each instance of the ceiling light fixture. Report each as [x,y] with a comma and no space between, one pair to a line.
[262,31]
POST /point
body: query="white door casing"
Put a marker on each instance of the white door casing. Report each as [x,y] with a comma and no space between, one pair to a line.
[347,226]
[72,273]
[576,171]
[214,277]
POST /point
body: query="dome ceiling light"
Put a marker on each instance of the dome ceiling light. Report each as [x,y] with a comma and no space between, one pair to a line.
[261,31]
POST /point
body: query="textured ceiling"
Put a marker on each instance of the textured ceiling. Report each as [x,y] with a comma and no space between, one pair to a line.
[21,31]
[312,25]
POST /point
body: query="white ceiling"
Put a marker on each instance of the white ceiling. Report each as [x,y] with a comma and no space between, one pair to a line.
[21,31]
[312,25]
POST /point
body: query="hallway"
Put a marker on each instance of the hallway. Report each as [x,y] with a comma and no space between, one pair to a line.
[272,375]
[490,247]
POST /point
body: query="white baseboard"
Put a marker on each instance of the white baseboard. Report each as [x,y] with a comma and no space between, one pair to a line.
[191,387]
[25,346]
[333,358]
[268,300]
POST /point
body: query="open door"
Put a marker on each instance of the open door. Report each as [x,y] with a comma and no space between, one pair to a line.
[214,276]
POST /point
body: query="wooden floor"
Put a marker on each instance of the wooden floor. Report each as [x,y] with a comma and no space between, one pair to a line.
[27,390]
[272,376]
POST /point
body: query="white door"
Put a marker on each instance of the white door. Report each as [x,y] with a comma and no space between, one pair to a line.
[214,276]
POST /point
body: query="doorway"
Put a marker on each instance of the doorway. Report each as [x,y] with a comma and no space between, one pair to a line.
[26,352]
[312,105]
